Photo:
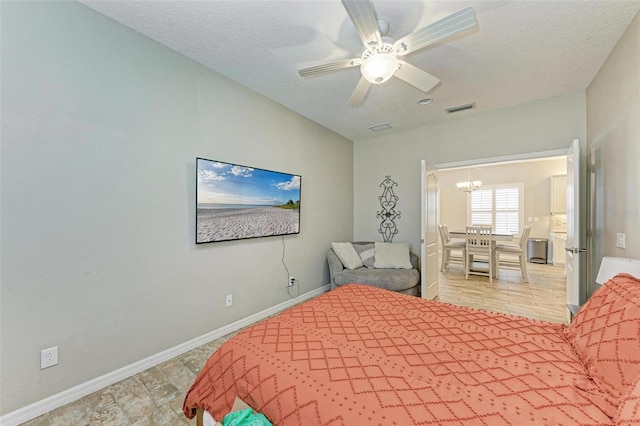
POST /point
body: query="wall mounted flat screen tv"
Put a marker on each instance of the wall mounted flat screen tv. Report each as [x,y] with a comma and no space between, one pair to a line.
[236,202]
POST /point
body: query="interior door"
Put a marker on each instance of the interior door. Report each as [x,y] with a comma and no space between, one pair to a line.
[574,247]
[429,232]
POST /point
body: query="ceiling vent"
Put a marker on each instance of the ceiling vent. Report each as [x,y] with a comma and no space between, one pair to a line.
[380,127]
[460,108]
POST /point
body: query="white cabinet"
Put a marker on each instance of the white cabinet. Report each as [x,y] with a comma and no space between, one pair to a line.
[557,254]
[558,224]
[558,194]
[558,251]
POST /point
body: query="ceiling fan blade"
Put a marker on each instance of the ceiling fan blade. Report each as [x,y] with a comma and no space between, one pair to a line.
[360,93]
[364,17]
[416,77]
[453,24]
[331,66]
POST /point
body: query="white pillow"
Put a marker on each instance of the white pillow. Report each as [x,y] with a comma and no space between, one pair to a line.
[347,255]
[392,255]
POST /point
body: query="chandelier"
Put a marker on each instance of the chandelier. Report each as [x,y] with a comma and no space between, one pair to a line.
[469,185]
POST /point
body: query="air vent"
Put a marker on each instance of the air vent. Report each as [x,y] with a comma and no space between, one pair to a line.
[460,108]
[379,127]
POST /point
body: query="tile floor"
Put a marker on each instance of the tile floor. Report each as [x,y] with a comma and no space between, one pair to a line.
[154,397]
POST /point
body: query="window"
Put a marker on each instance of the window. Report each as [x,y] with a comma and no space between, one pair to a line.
[482,207]
[497,205]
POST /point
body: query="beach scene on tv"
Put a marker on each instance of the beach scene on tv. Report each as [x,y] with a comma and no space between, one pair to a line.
[236,202]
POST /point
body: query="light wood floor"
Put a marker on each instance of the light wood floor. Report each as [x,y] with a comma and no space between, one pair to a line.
[543,297]
[154,397]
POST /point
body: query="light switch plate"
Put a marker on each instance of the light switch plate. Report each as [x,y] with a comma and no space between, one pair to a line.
[620,243]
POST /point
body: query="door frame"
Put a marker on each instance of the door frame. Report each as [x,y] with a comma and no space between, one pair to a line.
[502,159]
[530,156]
[576,226]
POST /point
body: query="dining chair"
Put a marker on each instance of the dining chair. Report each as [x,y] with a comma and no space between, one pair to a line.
[448,235]
[448,246]
[519,250]
[479,242]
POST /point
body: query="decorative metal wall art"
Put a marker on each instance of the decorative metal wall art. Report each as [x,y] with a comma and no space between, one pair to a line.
[388,214]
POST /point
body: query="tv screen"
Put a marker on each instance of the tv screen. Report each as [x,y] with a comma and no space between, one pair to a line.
[235,202]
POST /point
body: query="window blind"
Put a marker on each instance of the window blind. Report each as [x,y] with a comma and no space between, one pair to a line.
[498,206]
[507,210]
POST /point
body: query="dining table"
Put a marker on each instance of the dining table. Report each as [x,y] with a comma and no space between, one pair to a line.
[496,236]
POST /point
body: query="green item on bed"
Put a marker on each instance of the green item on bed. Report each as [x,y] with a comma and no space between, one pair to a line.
[246,417]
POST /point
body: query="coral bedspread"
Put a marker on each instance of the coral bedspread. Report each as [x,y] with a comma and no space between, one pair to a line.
[363,355]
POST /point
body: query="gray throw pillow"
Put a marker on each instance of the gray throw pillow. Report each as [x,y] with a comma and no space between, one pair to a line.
[366,253]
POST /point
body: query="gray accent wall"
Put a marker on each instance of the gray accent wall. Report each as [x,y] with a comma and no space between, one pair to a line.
[100,130]
[613,134]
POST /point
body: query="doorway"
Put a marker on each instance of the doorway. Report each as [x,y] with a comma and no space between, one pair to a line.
[533,174]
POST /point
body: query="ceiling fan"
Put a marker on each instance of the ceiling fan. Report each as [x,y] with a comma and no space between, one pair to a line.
[380,59]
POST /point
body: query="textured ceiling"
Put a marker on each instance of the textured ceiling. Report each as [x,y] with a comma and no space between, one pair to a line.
[521,51]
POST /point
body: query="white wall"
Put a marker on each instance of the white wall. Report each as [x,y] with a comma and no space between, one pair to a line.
[534,175]
[613,114]
[100,130]
[546,125]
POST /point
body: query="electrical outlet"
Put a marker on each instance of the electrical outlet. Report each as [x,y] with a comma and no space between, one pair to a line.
[228,301]
[620,243]
[292,280]
[48,357]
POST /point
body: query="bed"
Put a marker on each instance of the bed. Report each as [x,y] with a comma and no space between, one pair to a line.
[364,355]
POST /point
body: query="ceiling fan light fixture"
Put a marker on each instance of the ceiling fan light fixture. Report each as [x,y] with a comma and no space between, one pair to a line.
[379,61]
[379,64]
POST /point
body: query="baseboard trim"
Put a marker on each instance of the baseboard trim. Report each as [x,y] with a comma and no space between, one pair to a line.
[52,402]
